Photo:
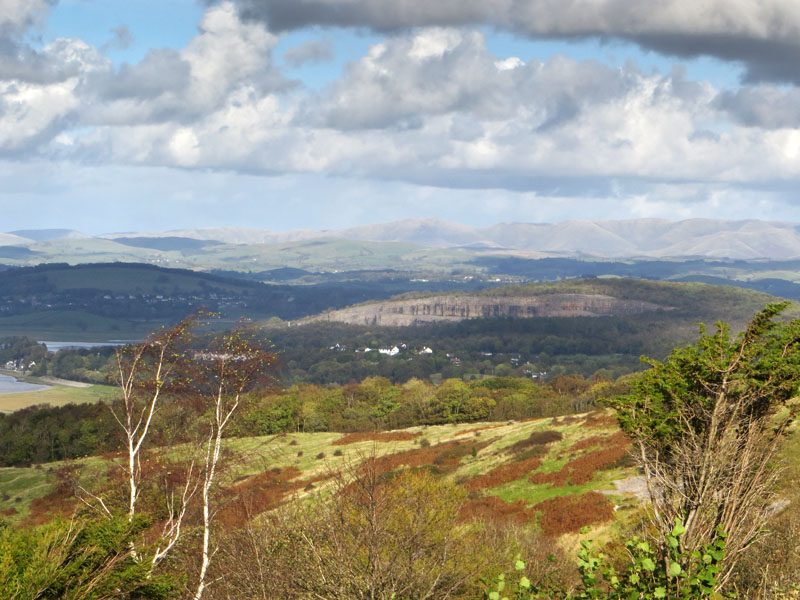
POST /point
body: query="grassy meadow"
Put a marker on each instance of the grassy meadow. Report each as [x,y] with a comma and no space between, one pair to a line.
[538,472]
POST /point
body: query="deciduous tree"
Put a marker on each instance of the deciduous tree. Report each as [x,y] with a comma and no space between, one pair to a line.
[706,424]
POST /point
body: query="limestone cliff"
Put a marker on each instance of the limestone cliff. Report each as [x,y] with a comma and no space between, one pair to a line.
[456,308]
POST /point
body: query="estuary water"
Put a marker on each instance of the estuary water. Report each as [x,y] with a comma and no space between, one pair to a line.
[9,385]
[56,346]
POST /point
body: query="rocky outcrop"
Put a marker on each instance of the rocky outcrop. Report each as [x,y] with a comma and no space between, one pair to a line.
[456,308]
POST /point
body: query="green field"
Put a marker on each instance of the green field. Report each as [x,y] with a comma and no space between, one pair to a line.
[57,395]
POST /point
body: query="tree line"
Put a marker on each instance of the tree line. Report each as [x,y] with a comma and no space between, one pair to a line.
[42,434]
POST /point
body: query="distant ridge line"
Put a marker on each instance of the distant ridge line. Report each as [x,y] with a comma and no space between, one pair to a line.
[632,238]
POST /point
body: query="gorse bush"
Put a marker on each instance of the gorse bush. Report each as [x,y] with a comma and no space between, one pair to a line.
[79,559]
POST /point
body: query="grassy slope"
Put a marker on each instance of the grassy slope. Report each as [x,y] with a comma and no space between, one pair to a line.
[20,487]
[300,450]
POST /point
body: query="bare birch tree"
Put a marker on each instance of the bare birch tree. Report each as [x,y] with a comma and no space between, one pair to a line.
[235,364]
[168,366]
[144,373]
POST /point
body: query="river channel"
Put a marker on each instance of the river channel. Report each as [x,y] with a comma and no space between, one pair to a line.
[9,385]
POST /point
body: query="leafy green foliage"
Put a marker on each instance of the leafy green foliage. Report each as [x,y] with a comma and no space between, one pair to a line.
[653,572]
[72,560]
[759,369]
[649,573]
[707,424]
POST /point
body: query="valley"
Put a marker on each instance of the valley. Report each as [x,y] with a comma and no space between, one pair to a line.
[470,381]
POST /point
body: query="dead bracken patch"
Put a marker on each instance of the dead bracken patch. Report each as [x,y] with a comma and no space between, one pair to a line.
[585,444]
[496,510]
[367,436]
[599,419]
[60,501]
[447,454]
[503,474]
[52,505]
[580,470]
[257,494]
[567,514]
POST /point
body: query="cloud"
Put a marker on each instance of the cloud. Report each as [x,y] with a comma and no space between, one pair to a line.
[17,16]
[121,39]
[313,51]
[763,35]
[21,62]
[763,106]
[226,58]
[431,107]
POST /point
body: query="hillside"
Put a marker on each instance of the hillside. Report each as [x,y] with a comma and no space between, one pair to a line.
[515,473]
[102,301]
[569,299]
[437,309]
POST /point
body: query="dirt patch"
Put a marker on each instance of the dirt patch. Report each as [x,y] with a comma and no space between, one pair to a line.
[65,382]
[496,510]
[366,436]
[567,514]
[503,474]
[580,470]
[636,485]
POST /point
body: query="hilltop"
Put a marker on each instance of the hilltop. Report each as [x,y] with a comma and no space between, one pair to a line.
[430,254]
[611,297]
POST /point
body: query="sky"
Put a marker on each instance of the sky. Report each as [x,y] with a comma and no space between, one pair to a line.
[145,115]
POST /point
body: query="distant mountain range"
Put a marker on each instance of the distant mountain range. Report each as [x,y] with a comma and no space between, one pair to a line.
[646,238]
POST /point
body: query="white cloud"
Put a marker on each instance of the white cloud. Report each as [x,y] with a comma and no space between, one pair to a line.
[431,107]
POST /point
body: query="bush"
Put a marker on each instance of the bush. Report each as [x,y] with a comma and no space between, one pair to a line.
[648,574]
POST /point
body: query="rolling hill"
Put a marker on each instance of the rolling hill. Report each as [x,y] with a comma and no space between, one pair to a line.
[102,301]
[715,238]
